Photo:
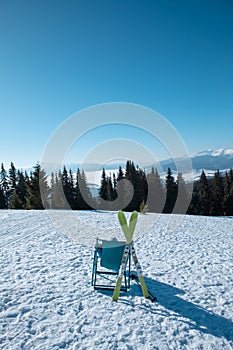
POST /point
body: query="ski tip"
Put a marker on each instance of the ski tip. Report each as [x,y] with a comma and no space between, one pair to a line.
[121,215]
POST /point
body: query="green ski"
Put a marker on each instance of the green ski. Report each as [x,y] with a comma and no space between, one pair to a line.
[129,249]
[121,273]
[139,272]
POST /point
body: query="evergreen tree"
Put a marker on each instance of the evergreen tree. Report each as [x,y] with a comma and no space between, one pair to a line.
[204,195]
[68,187]
[171,192]
[231,176]
[120,174]
[52,191]
[114,184]
[136,182]
[44,188]
[21,188]
[217,195]
[86,195]
[156,195]
[183,198]
[103,191]
[37,189]
[78,195]
[120,188]
[140,188]
[3,204]
[65,180]
[110,189]
[71,189]
[82,192]
[58,199]
[193,208]
[15,201]
[4,183]
[12,179]
[228,194]
[130,175]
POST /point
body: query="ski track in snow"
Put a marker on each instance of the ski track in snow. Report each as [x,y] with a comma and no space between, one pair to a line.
[47,302]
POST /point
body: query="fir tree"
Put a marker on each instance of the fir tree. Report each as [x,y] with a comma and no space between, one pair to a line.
[120,174]
[52,191]
[82,192]
[103,191]
[15,201]
[37,189]
[204,195]
[12,179]
[156,195]
[58,199]
[78,195]
[120,187]
[217,194]
[44,188]
[114,184]
[140,188]
[183,198]
[110,189]
[86,195]
[130,175]
[68,187]
[4,183]
[3,204]
[71,189]
[228,194]
[171,192]
[22,186]
[193,208]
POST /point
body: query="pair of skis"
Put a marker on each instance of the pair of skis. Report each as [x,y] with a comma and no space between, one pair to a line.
[129,249]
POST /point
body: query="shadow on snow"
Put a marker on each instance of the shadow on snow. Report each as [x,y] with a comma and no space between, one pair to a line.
[198,318]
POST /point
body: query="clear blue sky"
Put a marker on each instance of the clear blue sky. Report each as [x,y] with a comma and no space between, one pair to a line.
[58,57]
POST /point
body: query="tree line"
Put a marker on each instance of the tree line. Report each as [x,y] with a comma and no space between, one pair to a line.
[18,190]
[209,196]
[213,196]
[145,190]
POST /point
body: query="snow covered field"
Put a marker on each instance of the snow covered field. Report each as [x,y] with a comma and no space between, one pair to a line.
[47,302]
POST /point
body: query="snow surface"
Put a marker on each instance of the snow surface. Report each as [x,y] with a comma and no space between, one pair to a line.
[47,301]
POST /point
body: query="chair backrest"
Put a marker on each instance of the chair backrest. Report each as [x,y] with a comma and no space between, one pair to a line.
[112,252]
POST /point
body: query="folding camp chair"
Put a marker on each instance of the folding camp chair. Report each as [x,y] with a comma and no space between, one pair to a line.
[106,264]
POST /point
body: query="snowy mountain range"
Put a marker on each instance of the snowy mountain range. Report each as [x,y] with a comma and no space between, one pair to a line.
[217,153]
[209,161]
[220,159]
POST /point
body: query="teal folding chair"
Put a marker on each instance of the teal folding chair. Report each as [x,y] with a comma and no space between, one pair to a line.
[106,264]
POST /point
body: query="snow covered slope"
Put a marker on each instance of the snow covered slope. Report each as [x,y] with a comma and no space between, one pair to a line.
[47,302]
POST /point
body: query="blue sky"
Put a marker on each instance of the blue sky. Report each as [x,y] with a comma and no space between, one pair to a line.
[58,57]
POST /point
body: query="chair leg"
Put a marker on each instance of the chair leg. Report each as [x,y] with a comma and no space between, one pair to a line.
[94,268]
[125,278]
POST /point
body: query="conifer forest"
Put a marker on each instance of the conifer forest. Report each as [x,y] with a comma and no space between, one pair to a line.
[210,196]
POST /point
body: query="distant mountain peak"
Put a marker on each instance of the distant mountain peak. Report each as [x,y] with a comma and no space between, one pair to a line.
[215,153]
